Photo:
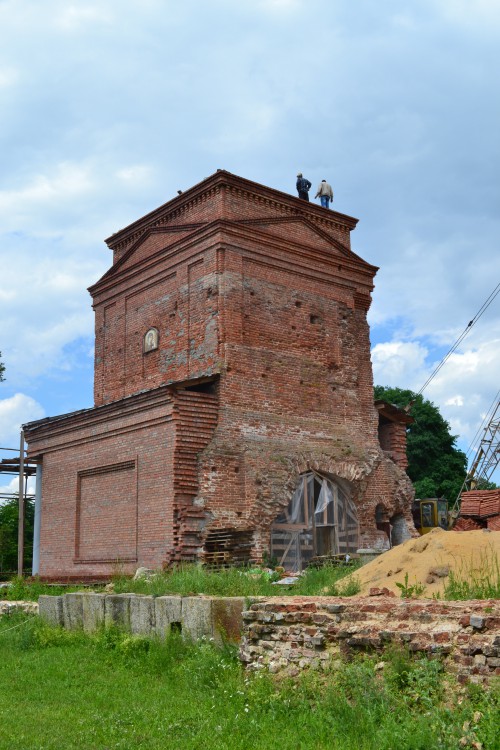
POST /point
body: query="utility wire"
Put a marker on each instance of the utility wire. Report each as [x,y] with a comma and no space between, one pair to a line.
[464,333]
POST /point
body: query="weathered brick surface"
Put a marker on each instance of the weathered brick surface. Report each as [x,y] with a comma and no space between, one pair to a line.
[260,294]
[287,635]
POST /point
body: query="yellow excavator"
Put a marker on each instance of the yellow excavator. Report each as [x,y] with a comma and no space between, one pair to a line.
[430,513]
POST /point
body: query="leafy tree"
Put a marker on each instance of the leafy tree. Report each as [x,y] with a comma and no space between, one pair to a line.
[436,466]
[2,369]
[9,514]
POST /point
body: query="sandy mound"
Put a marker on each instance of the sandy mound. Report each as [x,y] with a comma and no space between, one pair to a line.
[428,560]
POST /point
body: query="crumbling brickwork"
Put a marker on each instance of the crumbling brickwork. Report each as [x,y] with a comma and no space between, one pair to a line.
[258,308]
[289,635]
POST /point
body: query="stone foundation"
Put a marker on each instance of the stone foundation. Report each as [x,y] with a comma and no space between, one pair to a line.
[289,635]
[196,617]
[9,608]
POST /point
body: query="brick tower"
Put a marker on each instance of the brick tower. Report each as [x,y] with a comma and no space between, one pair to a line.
[234,411]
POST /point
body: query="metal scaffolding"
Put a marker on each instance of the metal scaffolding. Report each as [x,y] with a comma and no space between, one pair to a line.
[18,466]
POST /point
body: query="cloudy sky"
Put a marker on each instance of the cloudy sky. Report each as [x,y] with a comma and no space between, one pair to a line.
[109,107]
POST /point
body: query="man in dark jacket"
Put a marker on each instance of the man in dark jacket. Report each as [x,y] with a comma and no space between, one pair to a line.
[303,187]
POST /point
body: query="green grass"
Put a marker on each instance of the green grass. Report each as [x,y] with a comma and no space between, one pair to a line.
[29,589]
[479,581]
[193,579]
[61,689]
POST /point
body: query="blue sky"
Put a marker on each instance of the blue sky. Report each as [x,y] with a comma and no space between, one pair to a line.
[109,107]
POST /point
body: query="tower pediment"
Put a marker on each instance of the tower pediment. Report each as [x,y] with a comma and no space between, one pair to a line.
[297,233]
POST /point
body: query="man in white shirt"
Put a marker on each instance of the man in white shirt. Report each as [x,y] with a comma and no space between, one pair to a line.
[325,193]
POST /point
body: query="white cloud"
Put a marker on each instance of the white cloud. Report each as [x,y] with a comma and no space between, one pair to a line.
[472,377]
[138,174]
[14,412]
[463,389]
[470,13]
[13,486]
[66,182]
[454,401]
[74,17]
[399,363]
[8,77]
[109,107]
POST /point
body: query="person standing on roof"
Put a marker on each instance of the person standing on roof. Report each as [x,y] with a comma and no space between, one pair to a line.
[325,193]
[303,187]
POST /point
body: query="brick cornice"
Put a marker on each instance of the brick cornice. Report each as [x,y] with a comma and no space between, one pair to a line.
[95,415]
[250,191]
[224,230]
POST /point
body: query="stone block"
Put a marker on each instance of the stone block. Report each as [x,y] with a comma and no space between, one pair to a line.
[197,619]
[227,620]
[93,611]
[50,609]
[117,611]
[493,661]
[477,622]
[142,615]
[168,610]
[73,610]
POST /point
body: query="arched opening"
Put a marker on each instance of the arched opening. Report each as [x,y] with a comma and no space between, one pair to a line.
[320,520]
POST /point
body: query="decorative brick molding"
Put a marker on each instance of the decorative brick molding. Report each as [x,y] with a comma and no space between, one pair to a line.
[105,493]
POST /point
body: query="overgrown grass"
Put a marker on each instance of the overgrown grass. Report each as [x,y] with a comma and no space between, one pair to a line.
[193,579]
[478,581]
[62,689]
[29,589]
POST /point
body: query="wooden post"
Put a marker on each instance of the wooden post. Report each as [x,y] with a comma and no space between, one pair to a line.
[20,528]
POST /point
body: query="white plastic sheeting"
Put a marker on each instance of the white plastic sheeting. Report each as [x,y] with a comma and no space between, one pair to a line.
[321,519]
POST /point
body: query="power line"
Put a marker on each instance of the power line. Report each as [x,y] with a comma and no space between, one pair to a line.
[464,333]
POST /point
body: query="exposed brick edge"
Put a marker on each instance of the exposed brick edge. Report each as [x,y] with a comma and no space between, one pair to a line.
[196,417]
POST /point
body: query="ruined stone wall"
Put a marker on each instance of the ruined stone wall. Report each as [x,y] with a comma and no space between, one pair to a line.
[390,487]
[289,635]
[392,438]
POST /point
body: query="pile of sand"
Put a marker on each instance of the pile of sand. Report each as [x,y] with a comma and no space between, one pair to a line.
[428,560]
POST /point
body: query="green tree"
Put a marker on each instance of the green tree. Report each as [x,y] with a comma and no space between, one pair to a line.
[436,466]
[9,514]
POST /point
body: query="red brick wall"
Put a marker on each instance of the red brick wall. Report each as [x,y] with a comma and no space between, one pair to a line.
[392,438]
[106,500]
[296,389]
[119,483]
[178,296]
